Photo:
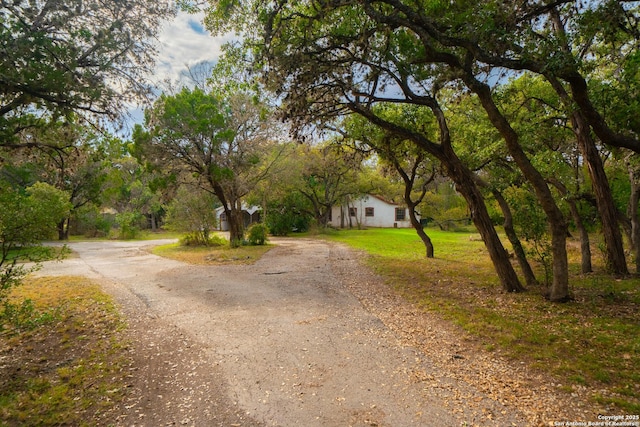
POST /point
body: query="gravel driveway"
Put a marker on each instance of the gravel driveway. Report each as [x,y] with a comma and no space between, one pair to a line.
[283,342]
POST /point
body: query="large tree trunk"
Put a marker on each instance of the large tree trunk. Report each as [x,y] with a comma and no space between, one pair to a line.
[233,211]
[616,260]
[63,229]
[465,184]
[521,256]
[236,225]
[326,216]
[632,213]
[585,245]
[320,212]
[559,291]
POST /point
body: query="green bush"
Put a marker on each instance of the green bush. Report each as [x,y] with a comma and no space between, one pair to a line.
[92,223]
[287,215]
[257,234]
[129,224]
[192,212]
[196,239]
[27,216]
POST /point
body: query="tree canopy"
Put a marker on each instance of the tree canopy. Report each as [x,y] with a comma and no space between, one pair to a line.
[326,59]
[222,139]
[72,55]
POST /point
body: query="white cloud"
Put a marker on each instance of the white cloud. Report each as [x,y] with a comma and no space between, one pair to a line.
[183,43]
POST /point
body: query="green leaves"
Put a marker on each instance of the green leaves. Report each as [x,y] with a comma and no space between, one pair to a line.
[191,124]
[27,218]
[68,55]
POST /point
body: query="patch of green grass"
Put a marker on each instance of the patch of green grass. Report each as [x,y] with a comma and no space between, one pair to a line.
[593,341]
[404,243]
[69,371]
[38,253]
[151,235]
[213,255]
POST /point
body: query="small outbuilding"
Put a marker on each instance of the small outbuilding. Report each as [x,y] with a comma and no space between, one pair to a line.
[370,211]
[251,215]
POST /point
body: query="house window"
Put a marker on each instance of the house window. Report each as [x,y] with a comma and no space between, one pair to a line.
[353,211]
[400,214]
[368,211]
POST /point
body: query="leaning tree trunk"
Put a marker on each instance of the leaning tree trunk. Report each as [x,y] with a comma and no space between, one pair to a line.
[616,260]
[411,207]
[521,256]
[465,184]
[559,291]
[585,245]
[415,222]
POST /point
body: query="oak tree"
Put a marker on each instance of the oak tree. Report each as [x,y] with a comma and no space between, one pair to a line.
[92,57]
[328,59]
[222,139]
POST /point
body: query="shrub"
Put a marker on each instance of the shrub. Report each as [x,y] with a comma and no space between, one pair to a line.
[129,223]
[26,218]
[192,212]
[257,234]
[196,239]
[287,215]
[90,222]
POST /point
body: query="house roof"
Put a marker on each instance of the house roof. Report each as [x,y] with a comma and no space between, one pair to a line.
[249,209]
[382,199]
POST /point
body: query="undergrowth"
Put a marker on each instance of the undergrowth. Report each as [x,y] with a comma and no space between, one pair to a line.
[67,368]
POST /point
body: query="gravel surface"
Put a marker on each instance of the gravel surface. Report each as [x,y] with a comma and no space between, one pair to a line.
[304,337]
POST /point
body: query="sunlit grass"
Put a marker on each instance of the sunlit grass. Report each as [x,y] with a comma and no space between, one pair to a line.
[592,341]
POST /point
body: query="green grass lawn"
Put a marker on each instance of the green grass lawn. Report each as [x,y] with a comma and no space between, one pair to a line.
[592,341]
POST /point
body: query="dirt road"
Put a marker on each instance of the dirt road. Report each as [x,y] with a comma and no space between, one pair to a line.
[283,342]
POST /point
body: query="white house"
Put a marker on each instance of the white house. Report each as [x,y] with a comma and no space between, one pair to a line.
[370,211]
[251,214]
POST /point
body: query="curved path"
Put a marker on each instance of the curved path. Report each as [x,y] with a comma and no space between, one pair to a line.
[282,342]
